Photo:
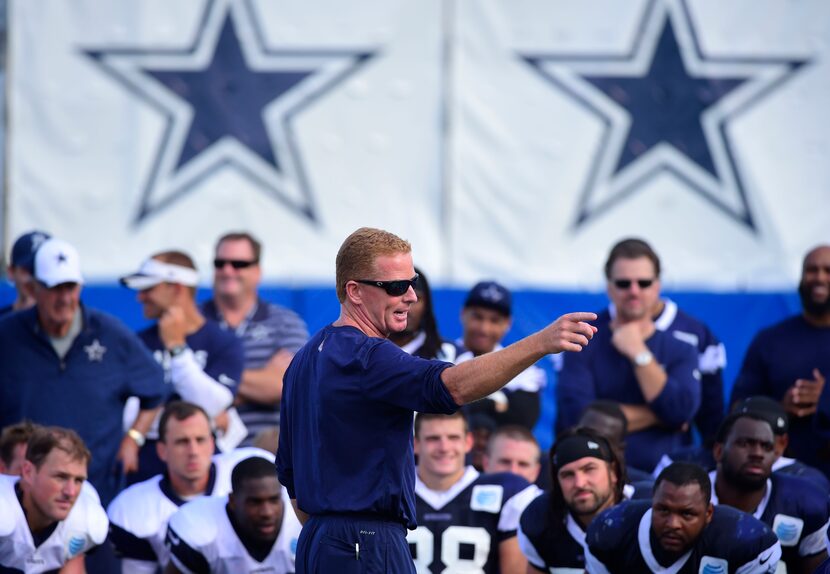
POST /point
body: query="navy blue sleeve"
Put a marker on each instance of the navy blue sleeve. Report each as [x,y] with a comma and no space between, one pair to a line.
[226,361]
[575,389]
[400,379]
[752,379]
[128,545]
[144,375]
[535,528]
[285,467]
[679,400]
[189,557]
[712,360]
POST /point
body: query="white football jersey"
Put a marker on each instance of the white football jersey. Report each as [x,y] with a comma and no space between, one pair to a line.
[201,533]
[140,513]
[84,528]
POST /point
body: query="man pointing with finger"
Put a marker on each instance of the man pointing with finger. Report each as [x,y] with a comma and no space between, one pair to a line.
[346,440]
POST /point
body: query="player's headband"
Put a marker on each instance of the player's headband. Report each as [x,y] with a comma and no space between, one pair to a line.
[575,447]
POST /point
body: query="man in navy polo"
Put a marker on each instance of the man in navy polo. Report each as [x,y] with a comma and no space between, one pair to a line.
[651,373]
[346,440]
[64,364]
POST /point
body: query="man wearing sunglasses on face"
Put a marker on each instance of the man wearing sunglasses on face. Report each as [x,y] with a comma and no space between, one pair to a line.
[271,334]
[346,435]
[652,372]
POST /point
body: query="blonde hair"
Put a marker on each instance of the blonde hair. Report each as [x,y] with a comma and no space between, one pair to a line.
[356,257]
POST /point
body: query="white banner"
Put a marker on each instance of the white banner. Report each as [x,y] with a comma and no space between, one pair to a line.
[509,139]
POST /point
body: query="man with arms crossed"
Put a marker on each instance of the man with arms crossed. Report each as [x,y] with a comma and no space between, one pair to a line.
[346,436]
[46,521]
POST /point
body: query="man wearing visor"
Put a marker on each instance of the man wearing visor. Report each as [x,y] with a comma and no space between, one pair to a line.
[202,362]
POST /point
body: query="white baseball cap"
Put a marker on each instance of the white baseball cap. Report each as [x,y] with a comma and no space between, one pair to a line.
[152,272]
[56,262]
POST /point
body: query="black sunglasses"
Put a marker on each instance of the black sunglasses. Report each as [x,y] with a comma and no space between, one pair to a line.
[626,283]
[393,288]
[235,263]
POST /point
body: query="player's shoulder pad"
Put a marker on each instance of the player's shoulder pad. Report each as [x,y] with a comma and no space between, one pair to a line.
[536,516]
[89,518]
[8,498]
[196,522]
[737,536]
[137,510]
[617,526]
[802,499]
[511,484]
[237,455]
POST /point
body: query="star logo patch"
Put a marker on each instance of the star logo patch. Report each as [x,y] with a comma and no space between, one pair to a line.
[229,100]
[665,107]
[95,351]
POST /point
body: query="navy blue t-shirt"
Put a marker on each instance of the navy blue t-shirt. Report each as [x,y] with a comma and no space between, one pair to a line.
[218,352]
[602,372]
[346,424]
[85,391]
[777,357]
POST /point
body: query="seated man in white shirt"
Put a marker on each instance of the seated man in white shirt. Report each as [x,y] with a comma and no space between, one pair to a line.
[48,517]
[140,513]
[253,529]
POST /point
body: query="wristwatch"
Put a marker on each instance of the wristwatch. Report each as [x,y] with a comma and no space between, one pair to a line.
[178,350]
[643,358]
[137,437]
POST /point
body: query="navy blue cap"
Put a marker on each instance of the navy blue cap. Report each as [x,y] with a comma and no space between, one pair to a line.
[490,295]
[24,249]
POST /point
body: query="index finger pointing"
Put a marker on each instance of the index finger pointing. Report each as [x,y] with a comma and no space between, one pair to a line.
[581,316]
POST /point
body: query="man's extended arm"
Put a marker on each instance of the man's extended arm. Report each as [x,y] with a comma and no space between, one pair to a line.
[477,378]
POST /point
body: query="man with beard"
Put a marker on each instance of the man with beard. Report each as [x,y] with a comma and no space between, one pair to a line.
[790,360]
[250,530]
[587,479]
[680,532]
[795,509]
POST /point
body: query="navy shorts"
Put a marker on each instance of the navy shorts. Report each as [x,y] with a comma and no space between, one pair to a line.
[343,544]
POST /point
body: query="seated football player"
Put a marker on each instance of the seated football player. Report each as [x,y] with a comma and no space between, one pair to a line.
[140,513]
[466,521]
[794,508]
[587,479]
[772,411]
[253,529]
[48,518]
[513,448]
[608,419]
[680,531]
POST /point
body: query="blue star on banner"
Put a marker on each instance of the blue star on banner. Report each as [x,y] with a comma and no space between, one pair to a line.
[664,107]
[228,101]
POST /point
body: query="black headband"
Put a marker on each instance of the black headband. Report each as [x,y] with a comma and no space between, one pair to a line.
[575,447]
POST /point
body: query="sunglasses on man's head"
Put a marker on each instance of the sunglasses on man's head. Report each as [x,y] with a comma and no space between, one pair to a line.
[235,263]
[393,288]
[626,283]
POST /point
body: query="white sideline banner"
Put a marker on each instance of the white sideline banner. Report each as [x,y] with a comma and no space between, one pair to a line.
[515,140]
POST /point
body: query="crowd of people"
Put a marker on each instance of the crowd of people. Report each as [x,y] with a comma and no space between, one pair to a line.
[225,438]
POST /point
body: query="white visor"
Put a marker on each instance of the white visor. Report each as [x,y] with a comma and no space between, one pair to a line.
[152,272]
